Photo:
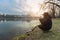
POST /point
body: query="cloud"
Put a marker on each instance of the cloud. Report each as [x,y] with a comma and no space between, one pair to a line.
[17,6]
[10,7]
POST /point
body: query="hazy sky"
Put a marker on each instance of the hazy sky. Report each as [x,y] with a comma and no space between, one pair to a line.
[10,6]
[16,6]
[13,7]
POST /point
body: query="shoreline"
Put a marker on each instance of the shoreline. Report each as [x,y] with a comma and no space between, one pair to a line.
[37,34]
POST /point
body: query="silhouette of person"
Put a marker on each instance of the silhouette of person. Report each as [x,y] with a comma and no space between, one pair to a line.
[46,22]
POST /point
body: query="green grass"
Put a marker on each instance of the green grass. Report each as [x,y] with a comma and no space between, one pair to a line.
[20,37]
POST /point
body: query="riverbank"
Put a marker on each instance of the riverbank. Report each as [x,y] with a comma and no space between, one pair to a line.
[37,34]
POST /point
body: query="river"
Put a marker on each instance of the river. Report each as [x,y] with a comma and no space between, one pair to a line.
[10,28]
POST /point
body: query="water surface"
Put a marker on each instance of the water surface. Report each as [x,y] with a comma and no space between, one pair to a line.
[10,28]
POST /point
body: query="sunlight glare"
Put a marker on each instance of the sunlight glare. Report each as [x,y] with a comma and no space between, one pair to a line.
[41,1]
[35,9]
[41,12]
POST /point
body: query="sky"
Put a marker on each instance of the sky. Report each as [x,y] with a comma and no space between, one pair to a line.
[18,7]
[10,6]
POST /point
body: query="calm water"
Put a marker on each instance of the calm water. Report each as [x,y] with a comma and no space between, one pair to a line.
[8,29]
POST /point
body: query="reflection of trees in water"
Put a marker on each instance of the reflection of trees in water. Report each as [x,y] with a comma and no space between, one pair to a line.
[18,19]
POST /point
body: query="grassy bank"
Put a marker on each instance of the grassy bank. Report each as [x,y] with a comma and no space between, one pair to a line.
[37,34]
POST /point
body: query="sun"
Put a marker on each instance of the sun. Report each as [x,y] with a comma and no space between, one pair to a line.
[33,6]
[35,9]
